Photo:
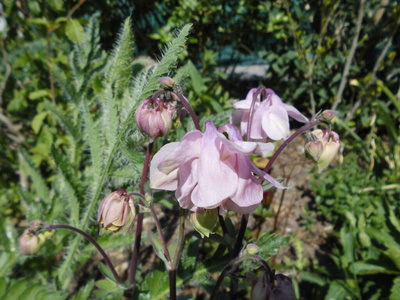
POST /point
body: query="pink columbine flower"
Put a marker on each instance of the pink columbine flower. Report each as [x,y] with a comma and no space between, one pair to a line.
[209,171]
[270,117]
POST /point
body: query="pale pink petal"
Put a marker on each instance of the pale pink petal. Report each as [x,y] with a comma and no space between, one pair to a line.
[257,132]
[245,104]
[230,205]
[295,114]
[275,122]
[249,190]
[187,182]
[216,179]
[267,177]
[165,178]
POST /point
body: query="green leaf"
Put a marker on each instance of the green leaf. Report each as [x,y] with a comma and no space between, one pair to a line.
[338,290]
[16,289]
[395,290]
[154,285]
[38,121]
[168,60]
[196,79]
[72,189]
[313,278]
[122,57]
[38,181]
[64,120]
[270,244]
[32,291]
[107,287]
[84,292]
[74,31]
[7,261]
[96,146]
[365,268]
[38,94]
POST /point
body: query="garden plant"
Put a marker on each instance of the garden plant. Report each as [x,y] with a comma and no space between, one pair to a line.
[126,176]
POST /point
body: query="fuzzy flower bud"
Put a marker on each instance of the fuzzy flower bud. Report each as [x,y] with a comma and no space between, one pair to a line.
[115,211]
[331,144]
[167,82]
[154,117]
[30,242]
[204,222]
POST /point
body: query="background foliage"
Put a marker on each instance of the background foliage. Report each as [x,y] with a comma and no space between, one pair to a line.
[71,79]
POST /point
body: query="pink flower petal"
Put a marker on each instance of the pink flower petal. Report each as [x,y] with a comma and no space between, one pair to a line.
[216,179]
[275,121]
[295,114]
[165,177]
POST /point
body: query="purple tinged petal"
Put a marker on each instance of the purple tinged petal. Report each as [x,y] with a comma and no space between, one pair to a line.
[295,114]
[267,177]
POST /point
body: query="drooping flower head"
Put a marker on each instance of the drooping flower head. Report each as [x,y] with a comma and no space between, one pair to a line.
[329,145]
[30,242]
[116,211]
[208,170]
[154,117]
[270,117]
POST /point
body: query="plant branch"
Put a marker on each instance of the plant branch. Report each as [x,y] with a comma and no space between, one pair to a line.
[291,138]
[374,71]
[343,82]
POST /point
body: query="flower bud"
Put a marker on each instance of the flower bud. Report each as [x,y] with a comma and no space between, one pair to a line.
[282,288]
[38,224]
[252,249]
[115,211]
[204,222]
[167,82]
[154,117]
[328,115]
[30,242]
[314,150]
[331,144]
[259,290]
[279,288]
